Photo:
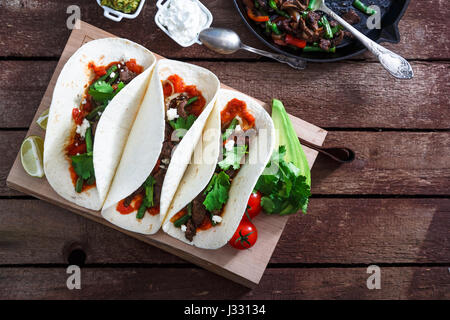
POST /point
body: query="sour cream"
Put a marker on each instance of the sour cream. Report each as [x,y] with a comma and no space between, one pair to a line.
[184,19]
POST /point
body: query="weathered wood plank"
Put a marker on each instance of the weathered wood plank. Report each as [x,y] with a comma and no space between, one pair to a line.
[387,163]
[310,95]
[161,283]
[333,231]
[32,29]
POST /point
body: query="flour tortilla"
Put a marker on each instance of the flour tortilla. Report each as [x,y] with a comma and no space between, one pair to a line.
[68,94]
[145,143]
[260,151]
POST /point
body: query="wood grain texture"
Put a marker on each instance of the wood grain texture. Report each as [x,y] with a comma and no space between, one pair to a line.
[421,30]
[245,267]
[277,284]
[417,104]
[335,231]
[402,163]
[408,235]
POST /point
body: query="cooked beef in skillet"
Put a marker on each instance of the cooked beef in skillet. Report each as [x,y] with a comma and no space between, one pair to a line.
[293,24]
[351,16]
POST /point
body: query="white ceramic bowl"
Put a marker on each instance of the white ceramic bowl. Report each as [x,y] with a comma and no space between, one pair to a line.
[116,15]
[164,3]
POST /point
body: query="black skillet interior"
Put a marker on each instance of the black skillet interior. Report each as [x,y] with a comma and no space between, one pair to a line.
[391,13]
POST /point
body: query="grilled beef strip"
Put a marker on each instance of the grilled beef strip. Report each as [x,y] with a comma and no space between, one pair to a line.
[351,16]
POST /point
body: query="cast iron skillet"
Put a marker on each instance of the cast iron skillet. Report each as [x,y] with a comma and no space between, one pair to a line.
[391,13]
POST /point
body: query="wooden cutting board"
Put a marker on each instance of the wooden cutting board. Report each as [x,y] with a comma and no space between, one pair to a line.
[244,267]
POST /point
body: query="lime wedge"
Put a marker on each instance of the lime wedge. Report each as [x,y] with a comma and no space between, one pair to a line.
[31,155]
[42,120]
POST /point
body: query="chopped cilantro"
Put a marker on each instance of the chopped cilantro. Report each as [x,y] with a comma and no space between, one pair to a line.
[217,191]
[83,165]
[182,125]
[101,91]
[233,157]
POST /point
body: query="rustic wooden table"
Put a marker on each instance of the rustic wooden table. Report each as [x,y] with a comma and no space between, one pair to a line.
[390,207]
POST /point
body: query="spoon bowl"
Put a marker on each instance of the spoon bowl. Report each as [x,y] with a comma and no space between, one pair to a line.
[223,41]
[226,41]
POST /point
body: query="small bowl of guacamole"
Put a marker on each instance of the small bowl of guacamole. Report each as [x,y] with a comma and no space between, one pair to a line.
[118,9]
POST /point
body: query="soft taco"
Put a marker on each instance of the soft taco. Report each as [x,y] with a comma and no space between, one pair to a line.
[208,206]
[104,80]
[168,126]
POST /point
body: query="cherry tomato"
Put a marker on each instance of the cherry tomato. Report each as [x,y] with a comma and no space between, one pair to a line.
[245,235]
[254,204]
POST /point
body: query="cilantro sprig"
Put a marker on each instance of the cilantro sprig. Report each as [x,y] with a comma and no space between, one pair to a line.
[217,192]
[233,157]
[182,125]
[285,190]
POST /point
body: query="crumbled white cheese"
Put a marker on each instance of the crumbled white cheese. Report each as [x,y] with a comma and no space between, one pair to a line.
[81,129]
[165,161]
[238,128]
[172,114]
[84,101]
[119,66]
[229,145]
[112,75]
[216,219]
[183,228]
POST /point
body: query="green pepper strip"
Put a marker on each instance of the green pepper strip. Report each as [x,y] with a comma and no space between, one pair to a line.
[111,80]
[318,49]
[326,24]
[363,8]
[79,185]
[272,26]
[180,221]
[191,100]
[88,138]
[311,5]
[336,29]
[94,112]
[230,129]
[274,6]
[112,69]
[90,181]
[148,200]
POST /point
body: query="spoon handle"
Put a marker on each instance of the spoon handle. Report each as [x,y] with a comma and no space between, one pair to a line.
[294,63]
[392,62]
[339,154]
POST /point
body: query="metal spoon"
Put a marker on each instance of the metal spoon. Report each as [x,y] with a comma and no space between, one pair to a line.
[392,62]
[226,41]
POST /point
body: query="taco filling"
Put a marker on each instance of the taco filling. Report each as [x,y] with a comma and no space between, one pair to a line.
[107,82]
[206,210]
[183,104]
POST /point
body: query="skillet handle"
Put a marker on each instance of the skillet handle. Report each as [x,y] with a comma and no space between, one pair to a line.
[339,154]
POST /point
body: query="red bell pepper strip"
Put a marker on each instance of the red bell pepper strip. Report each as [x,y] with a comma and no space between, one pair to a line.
[294,41]
[256,18]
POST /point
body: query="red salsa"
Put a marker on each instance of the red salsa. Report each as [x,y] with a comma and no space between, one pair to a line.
[77,143]
[237,108]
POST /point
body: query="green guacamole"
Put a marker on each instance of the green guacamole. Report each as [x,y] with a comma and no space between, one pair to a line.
[126,6]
